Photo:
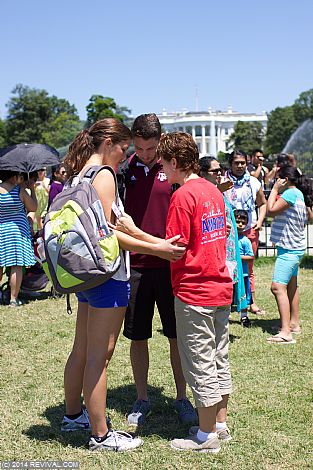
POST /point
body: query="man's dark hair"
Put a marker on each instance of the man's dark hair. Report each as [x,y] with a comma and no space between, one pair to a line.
[146,126]
[237,153]
[255,151]
[206,163]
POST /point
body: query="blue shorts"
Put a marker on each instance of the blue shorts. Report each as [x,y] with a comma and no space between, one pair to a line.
[108,295]
[286,265]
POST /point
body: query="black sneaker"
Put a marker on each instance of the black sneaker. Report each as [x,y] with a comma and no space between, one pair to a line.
[246,323]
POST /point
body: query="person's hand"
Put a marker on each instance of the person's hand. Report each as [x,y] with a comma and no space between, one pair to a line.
[31,184]
[125,224]
[225,185]
[168,249]
[257,226]
[280,183]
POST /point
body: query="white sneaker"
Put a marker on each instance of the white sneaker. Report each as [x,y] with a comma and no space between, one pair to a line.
[117,441]
[82,422]
[192,443]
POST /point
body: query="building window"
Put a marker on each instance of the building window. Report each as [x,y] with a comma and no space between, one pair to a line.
[226,131]
[189,130]
[198,131]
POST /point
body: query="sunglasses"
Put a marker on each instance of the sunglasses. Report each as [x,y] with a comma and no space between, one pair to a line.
[216,171]
[63,172]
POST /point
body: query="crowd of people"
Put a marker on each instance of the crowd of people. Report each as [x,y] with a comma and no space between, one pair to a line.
[188,232]
[24,201]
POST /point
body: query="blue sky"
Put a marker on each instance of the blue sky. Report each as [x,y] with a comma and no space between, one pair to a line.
[253,55]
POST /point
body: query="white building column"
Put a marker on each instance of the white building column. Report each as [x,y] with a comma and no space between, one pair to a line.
[203,146]
[212,147]
[219,143]
[193,132]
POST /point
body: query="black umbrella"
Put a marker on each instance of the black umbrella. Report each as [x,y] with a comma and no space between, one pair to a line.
[26,158]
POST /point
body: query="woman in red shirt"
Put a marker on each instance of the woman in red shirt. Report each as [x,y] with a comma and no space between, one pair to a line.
[202,288]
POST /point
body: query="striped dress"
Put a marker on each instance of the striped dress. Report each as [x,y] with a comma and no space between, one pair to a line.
[15,241]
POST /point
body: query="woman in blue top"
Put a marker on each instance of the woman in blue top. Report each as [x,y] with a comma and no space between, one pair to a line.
[290,211]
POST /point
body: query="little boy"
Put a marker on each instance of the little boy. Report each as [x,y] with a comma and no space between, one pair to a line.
[246,254]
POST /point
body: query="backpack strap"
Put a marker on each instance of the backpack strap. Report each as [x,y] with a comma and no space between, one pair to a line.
[122,176]
[93,171]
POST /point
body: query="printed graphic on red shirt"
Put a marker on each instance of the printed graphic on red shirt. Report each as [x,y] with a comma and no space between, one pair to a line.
[197,214]
[213,223]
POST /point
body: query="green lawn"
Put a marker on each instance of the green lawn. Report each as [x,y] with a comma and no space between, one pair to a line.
[270,411]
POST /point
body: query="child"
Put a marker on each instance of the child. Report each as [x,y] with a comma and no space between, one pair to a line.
[246,254]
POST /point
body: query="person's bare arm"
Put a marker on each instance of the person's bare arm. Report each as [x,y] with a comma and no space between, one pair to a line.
[256,173]
[261,203]
[276,206]
[167,249]
[29,201]
[310,214]
[126,224]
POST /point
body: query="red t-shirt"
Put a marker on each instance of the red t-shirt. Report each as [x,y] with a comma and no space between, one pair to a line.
[197,213]
[147,199]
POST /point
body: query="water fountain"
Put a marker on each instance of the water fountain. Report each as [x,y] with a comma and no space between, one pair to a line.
[301,145]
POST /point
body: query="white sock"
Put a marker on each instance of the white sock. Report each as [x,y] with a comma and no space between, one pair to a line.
[221,426]
[204,436]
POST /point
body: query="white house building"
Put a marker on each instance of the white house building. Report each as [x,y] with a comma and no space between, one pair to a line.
[210,129]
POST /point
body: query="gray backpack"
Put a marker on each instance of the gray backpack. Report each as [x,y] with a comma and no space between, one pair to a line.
[81,251]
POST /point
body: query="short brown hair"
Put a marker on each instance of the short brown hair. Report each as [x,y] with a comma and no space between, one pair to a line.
[146,126]
[181,146]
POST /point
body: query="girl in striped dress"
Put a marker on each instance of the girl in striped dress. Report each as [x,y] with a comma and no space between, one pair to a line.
[290,211]
[16,248]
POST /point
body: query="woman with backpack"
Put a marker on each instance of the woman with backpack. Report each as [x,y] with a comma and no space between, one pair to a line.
[101,309]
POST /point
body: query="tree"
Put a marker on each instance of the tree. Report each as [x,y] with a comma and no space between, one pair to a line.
[247,136]
[34,116]
[62,130]
[101,107]
[281,124]
[2,133]
[303,106]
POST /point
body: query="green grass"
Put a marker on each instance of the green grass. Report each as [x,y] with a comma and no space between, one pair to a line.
[270,411]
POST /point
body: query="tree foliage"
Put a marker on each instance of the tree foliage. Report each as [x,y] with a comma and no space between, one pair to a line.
[247,136]
[2,133]
[280,125]
[282,122]
[101,107]
[34,116]
[303,106]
